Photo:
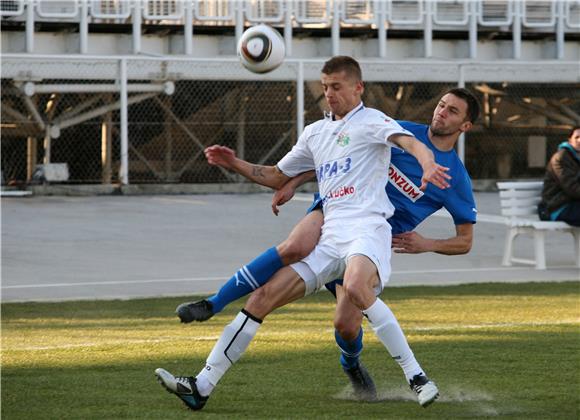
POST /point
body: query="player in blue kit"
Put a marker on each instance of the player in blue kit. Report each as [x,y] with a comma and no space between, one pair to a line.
[454,114]
[412,206]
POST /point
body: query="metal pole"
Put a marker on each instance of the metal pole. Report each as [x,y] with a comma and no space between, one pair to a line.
[84,27]
[472,10]
[517,30]
[30,157]
[288,28]
[300,99]
[335,30]
[428,35]
[380,13]
[188,28]
[461,140]
[137,27]
[47,145]
[30,26]
[560,30]
[31,88]
[239,13]
[106,148]
[124,171]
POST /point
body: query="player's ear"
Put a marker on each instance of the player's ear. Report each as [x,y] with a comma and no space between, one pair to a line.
[466,126]
[360,87]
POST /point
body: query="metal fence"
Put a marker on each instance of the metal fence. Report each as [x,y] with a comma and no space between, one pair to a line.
[78,121]
[479,18]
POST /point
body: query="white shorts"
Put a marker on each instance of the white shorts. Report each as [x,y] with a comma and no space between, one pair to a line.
[327,262]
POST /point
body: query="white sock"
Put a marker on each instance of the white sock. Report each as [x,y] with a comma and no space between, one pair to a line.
[233,342]
[387,328]
[204,386]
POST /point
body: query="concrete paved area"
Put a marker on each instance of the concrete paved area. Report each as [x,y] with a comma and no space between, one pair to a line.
[61,248]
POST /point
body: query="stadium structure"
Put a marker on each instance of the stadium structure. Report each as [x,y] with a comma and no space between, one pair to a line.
[128,92]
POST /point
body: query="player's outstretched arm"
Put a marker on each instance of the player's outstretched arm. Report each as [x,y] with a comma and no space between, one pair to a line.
[414,243]
[269,176]
[285,194]
[432,171]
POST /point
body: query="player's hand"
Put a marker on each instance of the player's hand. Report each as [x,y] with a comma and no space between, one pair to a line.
[410,243]
[436,175]
[220,156]
[282,196]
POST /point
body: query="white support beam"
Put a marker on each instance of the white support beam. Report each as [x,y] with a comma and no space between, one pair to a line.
[188,28]
[300,100]
[381,16]
[35,114]
[428,29]
[124,170]
[31,88]
[288,28]
[335,29]
[30,26]
[472,13]
[517,30]
[560,30]
[59,125]
[84,27]
[137,16]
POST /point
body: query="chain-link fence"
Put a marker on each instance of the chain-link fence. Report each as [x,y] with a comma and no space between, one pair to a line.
[78,123]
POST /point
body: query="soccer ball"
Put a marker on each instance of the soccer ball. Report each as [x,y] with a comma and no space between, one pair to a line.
[261,49]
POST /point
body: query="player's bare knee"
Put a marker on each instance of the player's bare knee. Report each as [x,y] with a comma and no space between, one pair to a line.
[292,251]
[346,328]
[354,293]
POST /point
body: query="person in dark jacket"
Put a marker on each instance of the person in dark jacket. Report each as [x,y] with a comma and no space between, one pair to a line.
[561,192]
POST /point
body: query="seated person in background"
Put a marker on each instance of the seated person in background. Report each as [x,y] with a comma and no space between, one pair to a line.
[561,193]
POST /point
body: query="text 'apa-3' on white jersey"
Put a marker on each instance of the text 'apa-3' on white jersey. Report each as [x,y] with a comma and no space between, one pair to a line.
[351,157]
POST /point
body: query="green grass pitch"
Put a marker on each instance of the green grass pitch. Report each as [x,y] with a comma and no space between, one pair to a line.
[495,350]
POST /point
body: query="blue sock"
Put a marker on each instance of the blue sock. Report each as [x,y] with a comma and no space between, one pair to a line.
[247,279]
[350,350]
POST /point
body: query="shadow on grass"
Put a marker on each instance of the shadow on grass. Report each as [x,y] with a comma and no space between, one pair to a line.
[476,378]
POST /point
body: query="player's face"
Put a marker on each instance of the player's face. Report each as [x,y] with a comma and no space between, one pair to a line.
[574,139]
[450,116]
[342,92]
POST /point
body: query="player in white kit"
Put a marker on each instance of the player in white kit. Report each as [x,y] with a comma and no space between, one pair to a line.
[349,150]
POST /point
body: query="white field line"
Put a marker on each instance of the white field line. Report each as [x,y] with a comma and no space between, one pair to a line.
[285,333]
[222,279]
[109,283]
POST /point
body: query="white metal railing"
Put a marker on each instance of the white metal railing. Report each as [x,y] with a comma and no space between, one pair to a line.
[312,12]
[264,11]
[401,12]
[216,11]
[163,10]
[453,13]
[58,9]
[102,9]
[12,8]
[353,12]
[539,14]
[572,14]
[510,16]
[495,12]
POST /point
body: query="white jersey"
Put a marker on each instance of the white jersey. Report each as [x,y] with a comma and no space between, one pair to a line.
[351,157]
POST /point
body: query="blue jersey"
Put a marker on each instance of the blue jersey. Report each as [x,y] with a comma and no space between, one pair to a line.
[412,205]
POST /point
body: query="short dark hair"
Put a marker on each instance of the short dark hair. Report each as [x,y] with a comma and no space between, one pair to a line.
[571,133]
[470,99]
[343,63]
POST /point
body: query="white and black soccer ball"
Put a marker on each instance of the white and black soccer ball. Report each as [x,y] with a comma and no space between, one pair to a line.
[261,49]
